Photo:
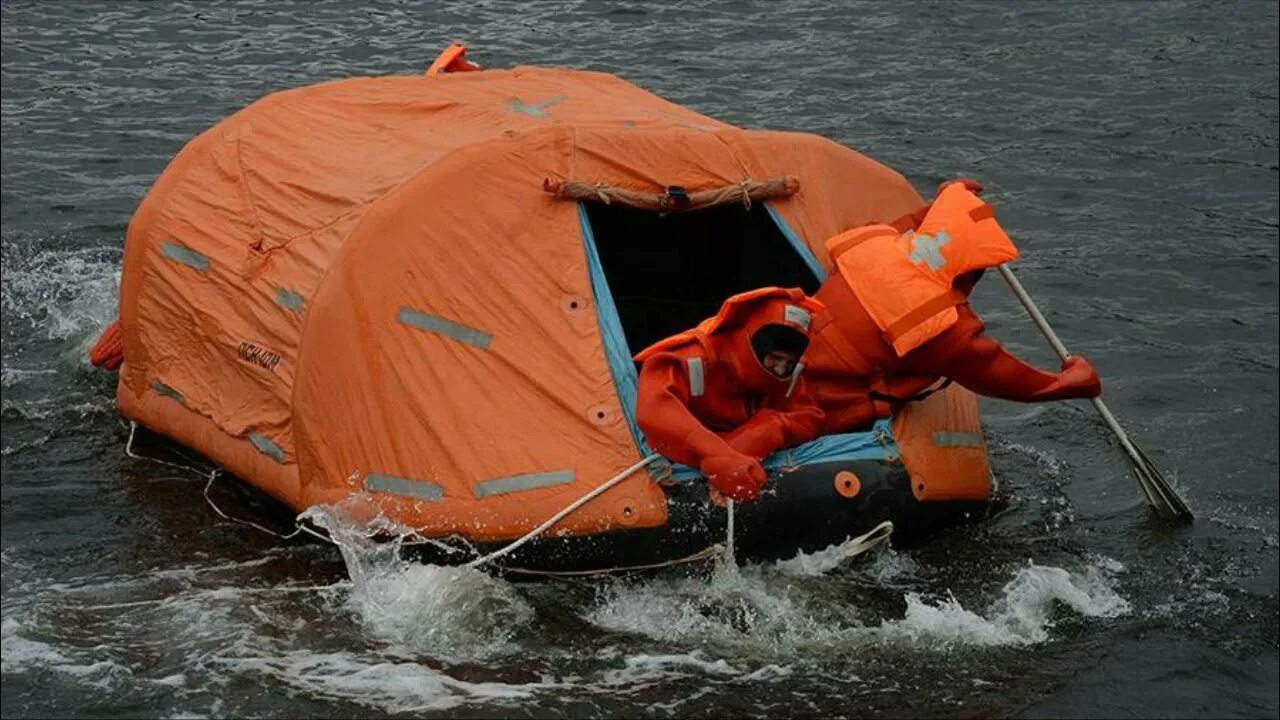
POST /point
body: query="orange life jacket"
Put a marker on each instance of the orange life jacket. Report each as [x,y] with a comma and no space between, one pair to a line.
[905,280]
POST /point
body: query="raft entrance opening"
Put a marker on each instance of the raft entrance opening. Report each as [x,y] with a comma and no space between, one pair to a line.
[654,275]
[668,272]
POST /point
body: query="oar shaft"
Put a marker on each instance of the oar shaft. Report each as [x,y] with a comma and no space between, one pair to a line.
[1034,311]
[1061,349]
[1112,423]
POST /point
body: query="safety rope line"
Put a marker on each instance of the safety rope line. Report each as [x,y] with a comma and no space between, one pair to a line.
[297,528]
[858,546]
[128,450]
[567,509]
[417,538]
[869,540]
[708,553]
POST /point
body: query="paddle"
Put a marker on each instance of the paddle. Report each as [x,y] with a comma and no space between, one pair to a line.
[1159,494]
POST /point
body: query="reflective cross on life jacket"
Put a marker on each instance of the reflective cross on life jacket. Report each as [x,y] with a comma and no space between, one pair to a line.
[927,249]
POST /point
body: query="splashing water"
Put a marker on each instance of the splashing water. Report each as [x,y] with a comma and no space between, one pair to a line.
[63,294]
[824,561]
[454,612]
[768,608]
[1021,616]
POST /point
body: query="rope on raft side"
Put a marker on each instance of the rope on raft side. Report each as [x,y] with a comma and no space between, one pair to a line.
[707,553]
[546,525]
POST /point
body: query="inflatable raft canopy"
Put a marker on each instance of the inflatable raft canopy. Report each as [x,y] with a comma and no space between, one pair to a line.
[427,291]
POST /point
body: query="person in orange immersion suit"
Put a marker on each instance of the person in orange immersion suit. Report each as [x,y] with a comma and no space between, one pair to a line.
[724,395]
[899,319]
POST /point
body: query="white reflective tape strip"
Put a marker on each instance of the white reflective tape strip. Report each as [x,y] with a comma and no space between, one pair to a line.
[518,483]
[448,328]
[289,299]
[944,438]
[697,377]
[420,489]
[267,447]
[168,392]
[797,315]
[185,255]
[536,110]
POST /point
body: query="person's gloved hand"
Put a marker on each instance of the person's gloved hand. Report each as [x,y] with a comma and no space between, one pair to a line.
[1078,374]
[1078,379]
[736,476]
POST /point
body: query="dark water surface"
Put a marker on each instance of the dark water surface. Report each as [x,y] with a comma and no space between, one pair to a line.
[1132,149]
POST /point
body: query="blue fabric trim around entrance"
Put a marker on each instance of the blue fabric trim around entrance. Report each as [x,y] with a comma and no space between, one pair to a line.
[616,350]
[797,243]
[874,444]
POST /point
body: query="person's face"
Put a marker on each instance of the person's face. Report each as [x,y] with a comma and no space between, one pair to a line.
[781,363]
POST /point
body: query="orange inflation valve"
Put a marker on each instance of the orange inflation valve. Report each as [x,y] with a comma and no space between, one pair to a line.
[848,484]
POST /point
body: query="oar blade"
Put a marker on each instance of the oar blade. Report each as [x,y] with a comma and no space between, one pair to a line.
[1168,502]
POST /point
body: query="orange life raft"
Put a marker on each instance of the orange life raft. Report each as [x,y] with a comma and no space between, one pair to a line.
[427,290]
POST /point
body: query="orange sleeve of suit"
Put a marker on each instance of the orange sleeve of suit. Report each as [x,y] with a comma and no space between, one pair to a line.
[967,355]
[770,430]
[662,412]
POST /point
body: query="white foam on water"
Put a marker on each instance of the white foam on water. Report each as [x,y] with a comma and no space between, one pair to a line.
[821,562]
[209,636]
[642,668]
[386,684]
[1021,616]
[19,653]
[753,609]
[453,612]
[96,584]
[12,376]
[1050,464]
[63,294]
[889,568]
[758,612]
[175,680]
[1249,521]
[818,562]
[193,629]
[27,445]
[1198,590]
[56,407]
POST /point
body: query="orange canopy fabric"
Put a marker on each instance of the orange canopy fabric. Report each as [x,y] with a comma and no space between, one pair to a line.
[361,286]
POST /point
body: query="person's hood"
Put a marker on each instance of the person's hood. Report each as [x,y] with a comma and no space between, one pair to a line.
[752,324]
